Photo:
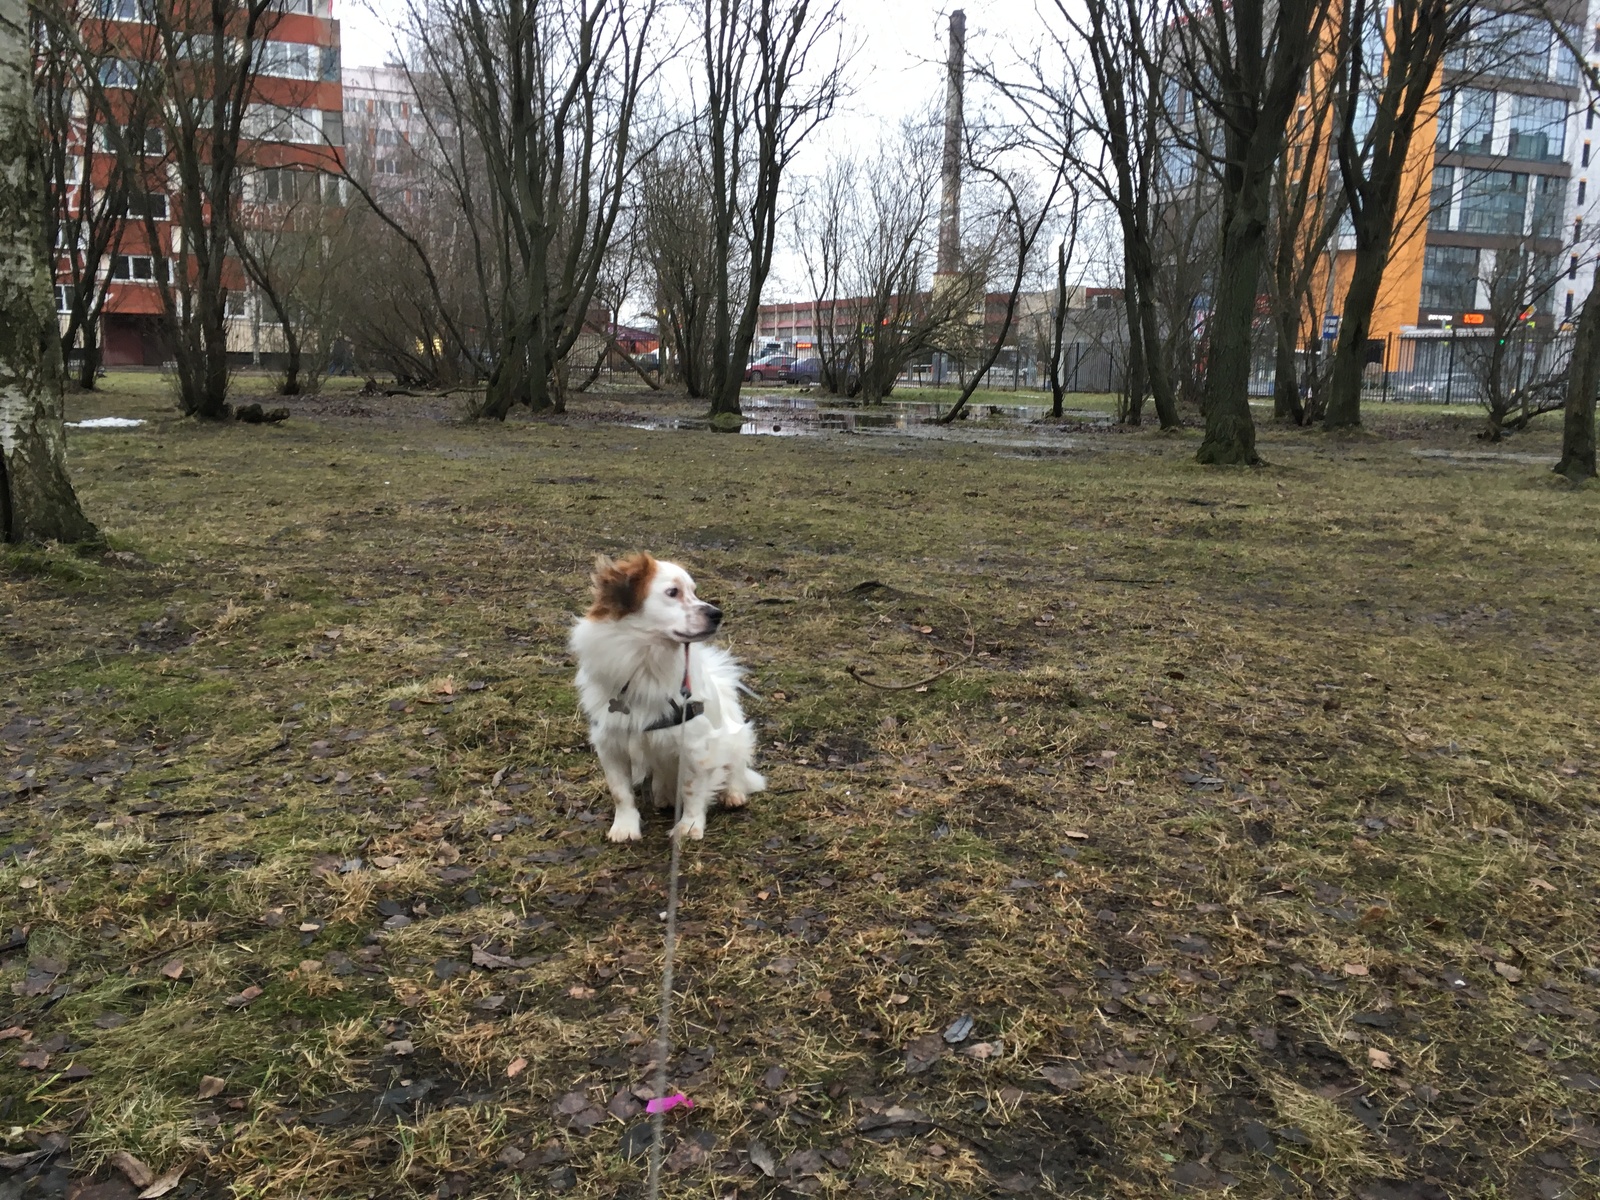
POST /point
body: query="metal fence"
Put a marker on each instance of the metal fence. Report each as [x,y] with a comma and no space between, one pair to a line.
[1439,366]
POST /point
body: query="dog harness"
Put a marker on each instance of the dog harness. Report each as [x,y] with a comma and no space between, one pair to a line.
[676,714]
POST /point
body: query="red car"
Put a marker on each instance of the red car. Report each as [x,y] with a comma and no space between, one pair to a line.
[774,368]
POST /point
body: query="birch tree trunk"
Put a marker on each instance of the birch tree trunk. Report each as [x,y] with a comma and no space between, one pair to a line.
[37,502]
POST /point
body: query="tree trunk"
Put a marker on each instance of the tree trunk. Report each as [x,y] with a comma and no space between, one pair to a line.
[1230,429]
[37,502]
[1134,376]
[1286,404]
[1058,331]
[89,364]
[1583,379]
[1350,355]
[1155,363]
[213,399]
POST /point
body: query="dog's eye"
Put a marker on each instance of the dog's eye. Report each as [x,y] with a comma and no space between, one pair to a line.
[673,592]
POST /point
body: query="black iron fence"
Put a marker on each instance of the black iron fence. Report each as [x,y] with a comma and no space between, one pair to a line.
[1455,366]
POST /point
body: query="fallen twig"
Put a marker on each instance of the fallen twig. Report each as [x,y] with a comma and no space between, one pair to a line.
[972,646]
[282,744]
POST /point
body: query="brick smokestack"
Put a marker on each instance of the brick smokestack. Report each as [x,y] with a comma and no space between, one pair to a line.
[950,198]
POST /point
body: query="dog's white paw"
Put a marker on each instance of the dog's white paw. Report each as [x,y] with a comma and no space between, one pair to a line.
[625,828]
[734,800]
[693,828]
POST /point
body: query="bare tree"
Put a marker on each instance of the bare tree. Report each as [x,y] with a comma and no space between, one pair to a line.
[676,222]
[1245,64]
[204,62]
[542,97]
[87,196]
[1114,113]
[1386,89]
[1577,460]
[295,246]
[1185,220]
[37,502]
[1024,211]
[1065,249]
[420,289]
[774,69]
[1306,212]
[868,234]
[1519,372]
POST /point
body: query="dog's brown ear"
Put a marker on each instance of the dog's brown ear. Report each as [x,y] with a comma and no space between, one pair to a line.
[620,586]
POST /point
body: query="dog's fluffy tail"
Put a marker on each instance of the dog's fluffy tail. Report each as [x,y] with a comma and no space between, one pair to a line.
[754,782]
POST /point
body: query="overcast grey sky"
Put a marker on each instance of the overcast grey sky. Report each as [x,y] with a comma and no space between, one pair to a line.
[898,69]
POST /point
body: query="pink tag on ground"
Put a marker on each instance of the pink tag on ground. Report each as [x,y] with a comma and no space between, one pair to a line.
[663,1104]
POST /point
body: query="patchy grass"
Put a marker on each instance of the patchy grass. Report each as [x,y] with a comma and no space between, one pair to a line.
[1257,839]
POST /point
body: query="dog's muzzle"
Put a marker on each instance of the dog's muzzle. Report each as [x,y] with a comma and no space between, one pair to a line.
[711,618]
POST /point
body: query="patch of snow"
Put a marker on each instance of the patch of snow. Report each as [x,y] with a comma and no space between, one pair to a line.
[106,423]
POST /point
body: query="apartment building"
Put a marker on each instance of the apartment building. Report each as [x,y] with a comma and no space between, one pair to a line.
[293,135]
[386,132]
[1496,197]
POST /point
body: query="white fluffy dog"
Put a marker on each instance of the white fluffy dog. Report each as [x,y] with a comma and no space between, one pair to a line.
[634,649]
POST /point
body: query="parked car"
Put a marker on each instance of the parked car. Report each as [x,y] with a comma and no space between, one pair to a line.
[774,368]
[809,371]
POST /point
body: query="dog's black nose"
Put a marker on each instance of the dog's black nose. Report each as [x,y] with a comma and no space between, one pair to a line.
[713,613]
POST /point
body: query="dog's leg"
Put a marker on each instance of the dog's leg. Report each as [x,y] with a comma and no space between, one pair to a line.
[618,767]
[664,786]
[741,779]
[697,789]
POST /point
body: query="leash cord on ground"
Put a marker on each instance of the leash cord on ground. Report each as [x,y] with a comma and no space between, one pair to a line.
[663,1042]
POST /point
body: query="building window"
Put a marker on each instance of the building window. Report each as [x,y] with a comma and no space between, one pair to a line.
[1442,198]
[274,123]
[138,268]
[289,60]
[1588,120]
[1450,278]
[148,204]
[1493,202]
[1549,205]
[119,73]
[1538,128]
[1572,269]
[295,185]
[63,298]
[1569,304]
[236,304]
[120,10]
[303,7]
[1474,121]
[386,166]
[1583,190]
[1447,104]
